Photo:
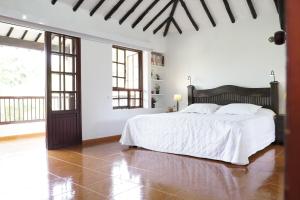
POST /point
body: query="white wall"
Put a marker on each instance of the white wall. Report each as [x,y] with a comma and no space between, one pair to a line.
[238,54]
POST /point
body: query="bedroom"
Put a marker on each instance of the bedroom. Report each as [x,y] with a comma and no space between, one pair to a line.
[238,53]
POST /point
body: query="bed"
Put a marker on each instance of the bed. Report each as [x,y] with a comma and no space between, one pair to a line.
[229,138]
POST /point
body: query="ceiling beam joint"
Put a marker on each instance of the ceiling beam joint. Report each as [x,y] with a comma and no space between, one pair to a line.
[171,16]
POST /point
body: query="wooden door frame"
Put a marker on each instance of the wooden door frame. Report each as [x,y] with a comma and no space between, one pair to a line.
[292,172]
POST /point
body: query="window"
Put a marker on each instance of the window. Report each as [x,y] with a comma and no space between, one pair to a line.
[127,78]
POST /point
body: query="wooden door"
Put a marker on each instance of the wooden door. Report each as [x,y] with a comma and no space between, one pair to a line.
[63,91]
[292,179]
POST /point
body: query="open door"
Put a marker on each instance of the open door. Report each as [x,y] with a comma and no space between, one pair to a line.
[63,96]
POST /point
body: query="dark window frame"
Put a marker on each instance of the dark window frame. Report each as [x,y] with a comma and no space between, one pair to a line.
[129,91]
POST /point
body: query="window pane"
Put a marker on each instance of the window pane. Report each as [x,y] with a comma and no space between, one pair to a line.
[114,82]
[114,54]
[123,102]
[115,94]
[121,82]
[121,70]
[55,82]
[123,94]
[115,102]
[55,43]
[121,55]
[132,94]
[137,103]
[114,69]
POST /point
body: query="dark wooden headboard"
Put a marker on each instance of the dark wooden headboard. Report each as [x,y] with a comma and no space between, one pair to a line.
[266,97]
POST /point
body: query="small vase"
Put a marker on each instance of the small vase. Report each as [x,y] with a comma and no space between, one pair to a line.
[157,91]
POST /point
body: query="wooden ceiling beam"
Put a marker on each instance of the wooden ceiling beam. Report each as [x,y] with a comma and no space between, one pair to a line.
[114,9]
[177,26]
[158,14]
[208,13]
[53,2]
[170,18]
[252,9]
[129,12]
[161,25]
[97,6]
[38,37]
[24,34]
[144,13]
[228,9]
[9,31]
[189,15]
[77,5]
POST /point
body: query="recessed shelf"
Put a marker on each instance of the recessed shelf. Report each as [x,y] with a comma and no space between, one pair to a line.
[157,80]
[157,94]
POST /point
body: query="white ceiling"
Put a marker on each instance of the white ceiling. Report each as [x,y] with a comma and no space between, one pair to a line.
[239,8]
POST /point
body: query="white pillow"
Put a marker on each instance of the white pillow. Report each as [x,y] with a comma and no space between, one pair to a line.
[239,109]
[202,108]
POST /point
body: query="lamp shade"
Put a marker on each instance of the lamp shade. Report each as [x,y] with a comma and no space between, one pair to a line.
[177,97]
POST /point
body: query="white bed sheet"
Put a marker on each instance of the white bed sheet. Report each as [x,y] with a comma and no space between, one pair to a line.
[229,138]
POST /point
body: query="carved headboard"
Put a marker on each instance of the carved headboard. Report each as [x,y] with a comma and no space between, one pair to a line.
[266,97]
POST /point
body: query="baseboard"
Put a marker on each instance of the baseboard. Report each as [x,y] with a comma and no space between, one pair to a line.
[16,137]
[114,138]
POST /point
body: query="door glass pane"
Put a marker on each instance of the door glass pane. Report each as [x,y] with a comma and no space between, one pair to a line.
[123,94]
[123,102]
[69,64]
[115,94]
[115,102]
[69,83]
[70,100]
[55,41]
[56,86]
[121,82]
[114,83]
[69,45]
[56,102]
[55,64]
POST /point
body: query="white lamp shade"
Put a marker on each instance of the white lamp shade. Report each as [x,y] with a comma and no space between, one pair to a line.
[177,97]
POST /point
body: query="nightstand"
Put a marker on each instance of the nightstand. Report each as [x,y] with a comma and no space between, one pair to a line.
[280,128]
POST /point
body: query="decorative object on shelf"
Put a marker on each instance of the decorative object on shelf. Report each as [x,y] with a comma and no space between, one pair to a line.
[177,98]
[157,76]
[189,78]
[157,88]
[157,59]
[153,101]
[152,91]
[273,75]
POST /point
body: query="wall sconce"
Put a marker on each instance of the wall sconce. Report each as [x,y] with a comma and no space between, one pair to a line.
[273,75]
[177,98]
[278,38]
[189,78]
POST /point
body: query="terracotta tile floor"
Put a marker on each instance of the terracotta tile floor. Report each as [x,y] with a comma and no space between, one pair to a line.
[110,171]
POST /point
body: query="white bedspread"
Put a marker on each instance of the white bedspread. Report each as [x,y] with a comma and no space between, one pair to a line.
[229,138]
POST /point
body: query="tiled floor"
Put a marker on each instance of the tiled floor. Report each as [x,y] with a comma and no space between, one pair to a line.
[110,171]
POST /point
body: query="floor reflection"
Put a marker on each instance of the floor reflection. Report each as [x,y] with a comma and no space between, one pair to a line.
[110,171]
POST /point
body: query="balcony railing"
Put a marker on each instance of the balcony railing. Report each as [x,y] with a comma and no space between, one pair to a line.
[20,109]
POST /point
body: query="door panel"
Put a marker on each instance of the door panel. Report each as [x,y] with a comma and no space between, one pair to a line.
[63,91]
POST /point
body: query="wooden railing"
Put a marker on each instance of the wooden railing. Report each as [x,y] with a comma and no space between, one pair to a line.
[20,109]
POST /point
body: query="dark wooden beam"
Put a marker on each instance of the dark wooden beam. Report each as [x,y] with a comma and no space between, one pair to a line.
[53,2]
[177,26]
[97,6]
[229,11]
[252,9]
[114,9]
[189,15]
[9,32]
[170,18]
[158,14]
[129,12]
[276,5]
[161,25]
[144,13]
[38,37]
[208,13]
[77,5]
[24,34]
